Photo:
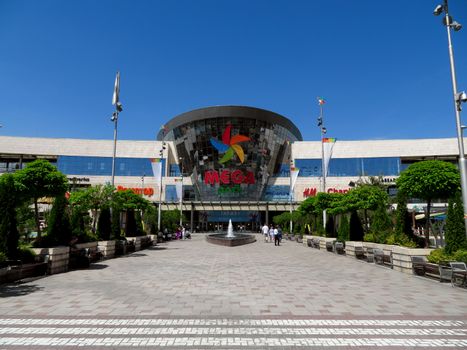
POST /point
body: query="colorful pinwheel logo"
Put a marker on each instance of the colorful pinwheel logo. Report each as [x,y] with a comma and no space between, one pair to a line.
[229,145]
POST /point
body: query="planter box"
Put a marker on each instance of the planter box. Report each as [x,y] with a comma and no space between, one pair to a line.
[107,248]
[402,257]
[136,241]
[350,247]
[323,240]
[57,257]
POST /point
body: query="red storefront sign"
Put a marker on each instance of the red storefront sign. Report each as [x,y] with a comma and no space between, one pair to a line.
[147,191]
[312,191]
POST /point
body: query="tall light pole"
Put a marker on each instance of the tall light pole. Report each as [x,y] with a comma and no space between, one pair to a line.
[161,157]
[142,185]
[181,196]
[459,98]
[323,130]
[114,119]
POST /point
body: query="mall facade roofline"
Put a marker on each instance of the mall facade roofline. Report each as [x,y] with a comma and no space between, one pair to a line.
[230,112]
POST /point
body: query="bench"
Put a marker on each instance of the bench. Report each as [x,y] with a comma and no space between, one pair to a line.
[82,258]
[459,274]
[339,247]
[360,253]
[329,246]
[381,258]
[421,267]
[315,243]
[370,256]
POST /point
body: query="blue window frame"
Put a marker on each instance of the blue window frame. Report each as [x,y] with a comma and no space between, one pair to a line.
[174,170]
[102,166]
[384,166]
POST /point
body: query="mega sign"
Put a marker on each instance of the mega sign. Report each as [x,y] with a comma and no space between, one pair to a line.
[226,177]
[311,191]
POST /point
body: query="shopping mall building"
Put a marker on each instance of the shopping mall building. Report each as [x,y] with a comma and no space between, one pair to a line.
[234,161]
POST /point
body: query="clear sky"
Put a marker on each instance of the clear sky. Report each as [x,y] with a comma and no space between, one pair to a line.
[382,66]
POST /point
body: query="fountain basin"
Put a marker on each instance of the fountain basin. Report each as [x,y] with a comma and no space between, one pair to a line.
[225,240]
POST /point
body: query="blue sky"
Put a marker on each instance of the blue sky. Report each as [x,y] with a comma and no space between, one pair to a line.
[382,66]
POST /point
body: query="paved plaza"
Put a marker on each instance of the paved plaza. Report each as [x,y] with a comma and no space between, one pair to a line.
[195,295]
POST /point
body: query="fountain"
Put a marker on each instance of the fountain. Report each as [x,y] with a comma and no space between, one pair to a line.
[230,239]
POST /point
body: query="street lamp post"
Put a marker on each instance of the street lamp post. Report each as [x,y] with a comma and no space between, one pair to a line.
[114,119]
[459,98]
[181,196]
[142,185]
[161,157]
[323,167]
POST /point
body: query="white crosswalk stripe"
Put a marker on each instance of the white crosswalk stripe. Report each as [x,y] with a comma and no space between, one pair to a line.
[225,333]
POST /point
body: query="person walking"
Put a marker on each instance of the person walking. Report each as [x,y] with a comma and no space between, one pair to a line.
[271,233]
[265,231]
[276,236]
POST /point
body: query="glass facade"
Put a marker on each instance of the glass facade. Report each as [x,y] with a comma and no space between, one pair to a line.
[102,166]
[384,166]
[277,193]
[231,158]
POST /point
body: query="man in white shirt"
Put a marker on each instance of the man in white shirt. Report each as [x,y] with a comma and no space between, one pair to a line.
[265,230]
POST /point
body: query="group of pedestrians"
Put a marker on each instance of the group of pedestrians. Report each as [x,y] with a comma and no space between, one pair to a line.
[272,234]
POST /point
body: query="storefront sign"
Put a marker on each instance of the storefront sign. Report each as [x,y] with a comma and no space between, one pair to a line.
[311,191]
[78,179]
[147,191]
[226,177]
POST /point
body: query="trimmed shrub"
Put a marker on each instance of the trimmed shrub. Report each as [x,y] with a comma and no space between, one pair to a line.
[3,256]
[130,227]
[455,225]
[461,255]
[116,225]
[343,233]
[59,228]
[356,229]
[438,255]
[26,255]
[330,229]
[104,225]
[139,224]
[9,235]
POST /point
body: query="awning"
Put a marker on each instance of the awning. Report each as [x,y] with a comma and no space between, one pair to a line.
[436,216]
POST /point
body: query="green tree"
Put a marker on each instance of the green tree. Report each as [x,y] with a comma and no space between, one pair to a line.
[170,219]
[150,220]
[104,225]
[59,228]
[455,225]
[344,229]
[116,224]
[93,198]
[428,180]
[9,235]
[381,225]
[139,224]
[41,179]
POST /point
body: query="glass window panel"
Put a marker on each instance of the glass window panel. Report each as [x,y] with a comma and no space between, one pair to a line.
[381,166]
[344,167]
[309,167]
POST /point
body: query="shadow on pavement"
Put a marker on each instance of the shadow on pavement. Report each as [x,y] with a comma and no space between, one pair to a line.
[133,255]
[17,289]
[98,266]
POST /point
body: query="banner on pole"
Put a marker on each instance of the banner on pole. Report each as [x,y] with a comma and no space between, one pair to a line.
[156,164]
[293,177]
[115,97]
[179,188]
[328,145]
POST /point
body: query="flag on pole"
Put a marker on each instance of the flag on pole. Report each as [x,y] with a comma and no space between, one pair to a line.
[328,145]
[293,177]
[179,188]
[321,101]
[156,164]
[115,97]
